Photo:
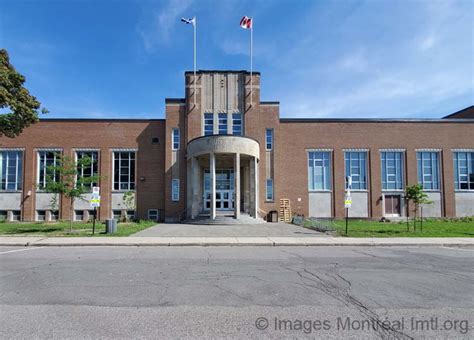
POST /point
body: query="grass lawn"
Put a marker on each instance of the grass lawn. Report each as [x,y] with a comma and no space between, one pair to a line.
[431,228]
[62,229]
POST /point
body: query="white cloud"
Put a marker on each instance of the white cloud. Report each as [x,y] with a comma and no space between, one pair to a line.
[157,23]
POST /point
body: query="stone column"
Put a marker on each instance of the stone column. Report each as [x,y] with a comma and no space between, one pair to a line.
[237,186]
[212,168]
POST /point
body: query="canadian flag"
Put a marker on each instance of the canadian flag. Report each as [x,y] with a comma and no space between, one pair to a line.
[246,22]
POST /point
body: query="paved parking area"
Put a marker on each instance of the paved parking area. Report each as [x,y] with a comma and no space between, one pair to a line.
[241,230]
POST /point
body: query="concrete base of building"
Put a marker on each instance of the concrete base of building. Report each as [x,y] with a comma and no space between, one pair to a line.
[225,220]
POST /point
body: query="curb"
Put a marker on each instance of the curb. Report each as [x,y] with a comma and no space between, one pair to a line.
[232,241]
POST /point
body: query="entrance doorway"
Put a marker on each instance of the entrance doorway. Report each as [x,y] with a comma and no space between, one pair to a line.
[224,190]
[392,205]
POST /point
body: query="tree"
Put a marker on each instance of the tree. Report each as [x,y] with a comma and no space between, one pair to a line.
[416,194]
[13,96]
[128,203]
[64,179]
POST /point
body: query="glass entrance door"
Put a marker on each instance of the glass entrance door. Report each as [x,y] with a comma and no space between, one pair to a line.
[224,189]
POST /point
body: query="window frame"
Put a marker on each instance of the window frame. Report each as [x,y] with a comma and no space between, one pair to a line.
[41,173]
[325,167]
[348,171]
[131,181]
[5,173]
[399,172]
[154,211]
[269,134]
[423,174]
[269,194]
[175,190]
[95,161]
[205,125]
[222,120]
[175,139]
[237,117]
[469,169]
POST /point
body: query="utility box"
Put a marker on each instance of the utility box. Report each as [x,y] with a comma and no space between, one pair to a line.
[110,226]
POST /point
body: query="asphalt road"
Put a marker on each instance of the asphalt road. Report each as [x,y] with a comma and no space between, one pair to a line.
[236,292]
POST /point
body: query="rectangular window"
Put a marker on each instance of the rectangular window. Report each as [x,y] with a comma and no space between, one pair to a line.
[269,195]
[175,138]
[47,161]
[11,170]
[153,214]
[269,139]
[428,169]
[319,177]
[222,123]
[3,215]
[237,124]
[124,170]
[464,170]
[88,170]
[40,215]
[392,170]
[175,190]
[78,215]
[208,124]
[356,167]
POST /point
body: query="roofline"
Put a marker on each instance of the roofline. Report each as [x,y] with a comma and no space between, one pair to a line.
[371,120]
[462,110]
[175,100]
[270,103]
[120,120]
[222,71]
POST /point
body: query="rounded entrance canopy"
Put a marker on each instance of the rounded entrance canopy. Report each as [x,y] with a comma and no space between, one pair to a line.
[223,144]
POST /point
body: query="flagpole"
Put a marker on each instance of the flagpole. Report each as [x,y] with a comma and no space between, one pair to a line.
[251,63]
[194,26]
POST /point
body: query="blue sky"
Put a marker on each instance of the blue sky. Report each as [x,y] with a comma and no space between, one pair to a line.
[344,59]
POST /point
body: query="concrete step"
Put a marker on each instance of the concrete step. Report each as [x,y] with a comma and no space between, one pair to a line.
[224,220]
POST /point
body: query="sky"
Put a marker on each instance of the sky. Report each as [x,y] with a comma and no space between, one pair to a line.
[320,59]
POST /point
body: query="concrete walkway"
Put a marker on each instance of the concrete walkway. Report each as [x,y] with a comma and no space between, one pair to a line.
[237,230]
[232,241]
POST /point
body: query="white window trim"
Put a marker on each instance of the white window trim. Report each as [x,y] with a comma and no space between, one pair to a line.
[272,199]
[155,211]
[456,189]
[113,170]
[173,130]
[440,185]
[403,160]
[204,122]
[367,180]
[330,151]
[175,195]
[273,139]
[18,175]
[38,161]
[76,151]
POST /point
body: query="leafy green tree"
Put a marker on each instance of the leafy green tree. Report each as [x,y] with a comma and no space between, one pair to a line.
[64,179]
[416,194]
[13,96]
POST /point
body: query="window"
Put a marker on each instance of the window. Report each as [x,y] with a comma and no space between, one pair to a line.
[464,170]
[237,124]
[11,170]
[41,215]
[130,214]
[222,123]
[117,214]
[208,124]
[153,214]
[54,215]
[124,170]
[269,195]
[269,139]
[155,141]
[319,177]
[428,169]
[78,215]
[3,215]
[356,167]
[392,170]
[175,190]
[16,215]
[47,161]
[175,136]
[86,171]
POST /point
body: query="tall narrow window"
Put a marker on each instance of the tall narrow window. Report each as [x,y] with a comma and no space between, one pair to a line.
[208,124]
[269,139]
[11,170]
[175,190]
[89,170]
[175,138]
[47,161]
[356,167]
[124,170]
[319,170]
[269,193]
[392,170]
[428,169]
[222,123]
[464,170]
[237,124]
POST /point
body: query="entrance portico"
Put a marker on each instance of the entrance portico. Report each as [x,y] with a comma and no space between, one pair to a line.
[222,176]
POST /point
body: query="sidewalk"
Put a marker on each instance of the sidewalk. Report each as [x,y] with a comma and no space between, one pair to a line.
[232,241]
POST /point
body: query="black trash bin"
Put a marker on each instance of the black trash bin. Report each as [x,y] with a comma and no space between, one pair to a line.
[272,216]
